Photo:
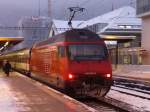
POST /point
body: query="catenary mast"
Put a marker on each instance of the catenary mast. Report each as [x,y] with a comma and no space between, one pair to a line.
[49,8]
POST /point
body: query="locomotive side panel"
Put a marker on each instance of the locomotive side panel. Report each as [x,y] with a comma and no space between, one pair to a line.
[45,65]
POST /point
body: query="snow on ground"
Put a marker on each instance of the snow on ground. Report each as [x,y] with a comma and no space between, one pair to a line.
[132,92]
[136,102]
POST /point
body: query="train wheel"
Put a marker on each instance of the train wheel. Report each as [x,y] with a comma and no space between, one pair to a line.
[104,91]
[99,92]
[70,91]
[29,74]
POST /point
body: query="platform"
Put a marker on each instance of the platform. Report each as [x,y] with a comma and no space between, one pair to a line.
[18,93]
[135,72]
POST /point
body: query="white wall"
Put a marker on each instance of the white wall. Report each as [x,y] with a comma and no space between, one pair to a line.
[146,39]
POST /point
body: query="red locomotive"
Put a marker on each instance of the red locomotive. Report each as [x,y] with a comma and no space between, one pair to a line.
[76,61]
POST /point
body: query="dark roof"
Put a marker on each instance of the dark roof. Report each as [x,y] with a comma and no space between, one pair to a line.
[74,35]
[119,39]
[122,31]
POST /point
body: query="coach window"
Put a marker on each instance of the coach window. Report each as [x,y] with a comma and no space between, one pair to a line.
[61,51]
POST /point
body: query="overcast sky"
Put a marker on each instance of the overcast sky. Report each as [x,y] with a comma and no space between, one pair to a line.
[12,10]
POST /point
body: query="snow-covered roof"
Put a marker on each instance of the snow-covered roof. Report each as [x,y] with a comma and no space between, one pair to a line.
[64,24]
[122,16]
[61,25]
[131,22]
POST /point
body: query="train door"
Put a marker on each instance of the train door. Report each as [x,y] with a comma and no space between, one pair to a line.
[62,65]
[54,65]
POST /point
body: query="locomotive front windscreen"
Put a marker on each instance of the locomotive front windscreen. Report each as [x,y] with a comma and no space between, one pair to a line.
[87,52]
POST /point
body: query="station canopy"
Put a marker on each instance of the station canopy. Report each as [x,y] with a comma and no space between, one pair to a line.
[9,41]
[119,39]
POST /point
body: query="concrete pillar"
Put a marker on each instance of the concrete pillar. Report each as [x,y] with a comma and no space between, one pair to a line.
[146,39]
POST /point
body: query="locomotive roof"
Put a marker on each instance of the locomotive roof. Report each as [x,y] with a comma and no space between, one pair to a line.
[74,35]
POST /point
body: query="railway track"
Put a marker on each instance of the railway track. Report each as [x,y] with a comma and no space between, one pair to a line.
[130,83]
[100,105]
[130,92]
[132,87]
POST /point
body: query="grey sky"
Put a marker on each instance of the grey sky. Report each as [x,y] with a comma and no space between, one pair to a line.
[93,7]
[12,10]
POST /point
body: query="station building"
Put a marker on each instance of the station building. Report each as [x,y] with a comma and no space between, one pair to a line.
[33,29]
[143,11]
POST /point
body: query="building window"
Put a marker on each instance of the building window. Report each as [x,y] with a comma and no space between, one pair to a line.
[139,60]
[127,44]
[127,59]
[143,6]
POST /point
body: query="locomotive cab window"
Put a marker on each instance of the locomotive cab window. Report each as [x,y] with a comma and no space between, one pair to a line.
[87,52]
[61,51]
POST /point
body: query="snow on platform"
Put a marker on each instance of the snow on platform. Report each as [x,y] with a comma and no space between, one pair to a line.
[21,94]
[136,72]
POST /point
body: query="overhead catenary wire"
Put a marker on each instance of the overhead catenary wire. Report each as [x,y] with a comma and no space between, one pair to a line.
[23,28]
[85,2]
